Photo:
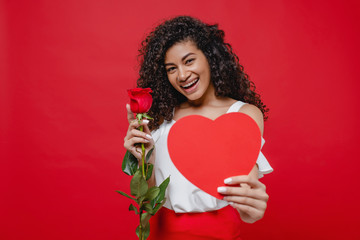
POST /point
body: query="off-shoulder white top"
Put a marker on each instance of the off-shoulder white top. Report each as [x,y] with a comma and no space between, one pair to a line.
[183,196]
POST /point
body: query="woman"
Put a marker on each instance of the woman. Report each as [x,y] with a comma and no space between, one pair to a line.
[192,71]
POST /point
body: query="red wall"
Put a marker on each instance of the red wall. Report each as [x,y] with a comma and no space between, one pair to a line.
[65,66]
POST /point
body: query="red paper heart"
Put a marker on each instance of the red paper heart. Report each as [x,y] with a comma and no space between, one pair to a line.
[206,151]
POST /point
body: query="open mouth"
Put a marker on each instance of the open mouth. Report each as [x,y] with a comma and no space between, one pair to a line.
[190,84]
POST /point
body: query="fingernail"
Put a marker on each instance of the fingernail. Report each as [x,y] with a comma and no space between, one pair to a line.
[147,140]
[148,136]
[145,121]
[231,203]
[228,180]
[221,189]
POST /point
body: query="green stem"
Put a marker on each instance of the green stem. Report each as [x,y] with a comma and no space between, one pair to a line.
[139,117]
[142,155]
[143,160]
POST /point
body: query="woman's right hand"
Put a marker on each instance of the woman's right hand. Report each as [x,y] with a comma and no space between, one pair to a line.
[134,137]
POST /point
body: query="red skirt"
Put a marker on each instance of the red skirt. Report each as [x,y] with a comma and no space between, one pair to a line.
[221,224]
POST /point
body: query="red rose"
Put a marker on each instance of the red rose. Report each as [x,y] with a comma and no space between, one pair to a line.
[140,99]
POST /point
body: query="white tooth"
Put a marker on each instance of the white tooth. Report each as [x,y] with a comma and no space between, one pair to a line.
[189,84]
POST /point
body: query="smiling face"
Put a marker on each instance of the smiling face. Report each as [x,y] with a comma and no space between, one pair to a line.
[188,71]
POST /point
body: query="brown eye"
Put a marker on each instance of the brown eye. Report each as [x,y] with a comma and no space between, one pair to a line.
[189,60]
[170,69]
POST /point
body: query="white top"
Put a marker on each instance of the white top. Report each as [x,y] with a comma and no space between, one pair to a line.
[183,196]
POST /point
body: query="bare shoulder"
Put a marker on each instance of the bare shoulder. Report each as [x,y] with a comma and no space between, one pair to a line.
[255,113]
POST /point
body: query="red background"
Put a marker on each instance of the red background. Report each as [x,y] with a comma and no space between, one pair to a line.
[65,66]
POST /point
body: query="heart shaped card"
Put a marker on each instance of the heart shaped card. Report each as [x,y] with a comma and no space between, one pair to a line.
[208,151]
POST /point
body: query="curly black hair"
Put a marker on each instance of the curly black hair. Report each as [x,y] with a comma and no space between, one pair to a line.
[227,75]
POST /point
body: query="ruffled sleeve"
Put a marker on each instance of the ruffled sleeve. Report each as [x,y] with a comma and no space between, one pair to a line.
[263,164]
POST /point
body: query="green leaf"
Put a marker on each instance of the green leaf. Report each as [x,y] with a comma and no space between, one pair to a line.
[148,155]
[161,194]
[148,208]
[138,185]
[149,171]
[129,164]
[158,206]
[146,231]
[152,193]
[124,194]
[145,217]
[133,208]
[147,116]
[138,231]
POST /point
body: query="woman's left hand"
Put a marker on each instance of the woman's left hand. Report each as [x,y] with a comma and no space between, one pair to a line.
[246,194]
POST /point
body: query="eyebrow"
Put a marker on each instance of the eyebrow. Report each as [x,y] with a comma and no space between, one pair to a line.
[182,59]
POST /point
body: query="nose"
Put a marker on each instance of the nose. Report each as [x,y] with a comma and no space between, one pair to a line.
[183,75]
